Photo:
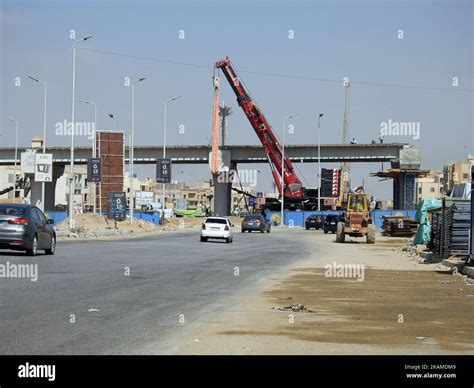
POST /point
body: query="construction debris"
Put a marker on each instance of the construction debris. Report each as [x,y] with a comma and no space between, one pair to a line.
[295,307]
[399,226]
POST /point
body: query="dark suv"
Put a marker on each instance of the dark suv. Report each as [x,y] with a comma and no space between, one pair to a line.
[314,221]
[256,223]
[25,228]
[330,224]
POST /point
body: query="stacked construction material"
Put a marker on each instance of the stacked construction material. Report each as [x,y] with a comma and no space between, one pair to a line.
[450,228]
[399,226]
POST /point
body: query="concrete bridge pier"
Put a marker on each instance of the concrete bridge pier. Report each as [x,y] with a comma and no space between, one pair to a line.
[223,192]
[49,190]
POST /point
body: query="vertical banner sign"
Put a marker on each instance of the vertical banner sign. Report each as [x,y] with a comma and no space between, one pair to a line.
[251,201]
[163,170]
[94,170]
[116,205]
[43,167]
[335,182]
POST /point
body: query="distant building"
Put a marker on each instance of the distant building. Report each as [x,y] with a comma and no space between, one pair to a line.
[430,186]
[456,173]
[81,190]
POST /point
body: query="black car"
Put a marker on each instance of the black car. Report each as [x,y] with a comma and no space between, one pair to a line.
[314,221]
[256,223]
[25,228]
[330,224]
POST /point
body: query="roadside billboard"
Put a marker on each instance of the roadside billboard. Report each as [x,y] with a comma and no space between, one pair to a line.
[94,170]
[28,161]
[144,198]
[116,205]
[163,170]
[44,167]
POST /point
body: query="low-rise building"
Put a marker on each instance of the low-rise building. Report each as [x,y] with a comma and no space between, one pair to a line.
[430,186]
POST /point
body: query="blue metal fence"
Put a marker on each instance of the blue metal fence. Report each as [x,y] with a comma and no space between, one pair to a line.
[295,218]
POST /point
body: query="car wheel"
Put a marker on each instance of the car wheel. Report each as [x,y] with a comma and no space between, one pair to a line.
[307,228]
[326,231]
[227,240]
[243,231]
[34,247]
[250,231]
[52,248]
[262,231]
[203,239]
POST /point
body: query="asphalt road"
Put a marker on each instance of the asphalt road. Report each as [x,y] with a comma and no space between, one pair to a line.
[175,282]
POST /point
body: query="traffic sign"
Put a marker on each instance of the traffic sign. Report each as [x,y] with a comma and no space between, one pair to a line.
[251,201]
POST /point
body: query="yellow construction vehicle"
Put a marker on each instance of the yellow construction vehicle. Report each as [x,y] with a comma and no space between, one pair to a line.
[356,220]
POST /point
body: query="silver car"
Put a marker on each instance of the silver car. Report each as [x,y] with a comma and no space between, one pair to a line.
[25,228]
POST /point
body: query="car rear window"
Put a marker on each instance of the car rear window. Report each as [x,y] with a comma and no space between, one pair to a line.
[331,218]
[12,210]
[252,218]
[216,221]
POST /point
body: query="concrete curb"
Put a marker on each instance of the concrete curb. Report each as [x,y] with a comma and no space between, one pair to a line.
[459,264]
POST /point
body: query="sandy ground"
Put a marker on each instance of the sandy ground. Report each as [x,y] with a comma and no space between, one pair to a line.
[401,307]
[93,226]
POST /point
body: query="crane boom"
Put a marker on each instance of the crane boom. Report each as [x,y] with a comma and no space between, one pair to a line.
[292,185]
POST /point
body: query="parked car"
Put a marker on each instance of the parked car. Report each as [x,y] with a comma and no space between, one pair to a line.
[314,221]
[256,223]
[330,224]
[25,228]
[217,227]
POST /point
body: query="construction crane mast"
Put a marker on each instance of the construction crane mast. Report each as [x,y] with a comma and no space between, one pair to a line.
[292,185]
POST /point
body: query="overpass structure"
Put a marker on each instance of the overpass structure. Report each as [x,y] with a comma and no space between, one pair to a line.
[199,154]
[234,155]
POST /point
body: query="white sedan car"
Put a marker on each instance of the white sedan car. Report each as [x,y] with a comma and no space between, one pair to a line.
[217,227]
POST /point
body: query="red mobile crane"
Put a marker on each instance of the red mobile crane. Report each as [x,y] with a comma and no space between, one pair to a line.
[293,191]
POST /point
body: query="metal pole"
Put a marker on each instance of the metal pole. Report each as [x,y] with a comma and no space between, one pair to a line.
[16,155]
[71,164]
[16,148]
[44,141]
[319,161]
[163,205]
[132,192]
[319,164]
[44,131]
[94,153]
[73,125]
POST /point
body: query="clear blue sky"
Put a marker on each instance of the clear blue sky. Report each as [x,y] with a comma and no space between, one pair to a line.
[331,40]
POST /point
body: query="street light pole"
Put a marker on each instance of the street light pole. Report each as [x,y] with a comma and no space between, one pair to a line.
[44,130]
[164,156]
[319,161]
[73,125]
[113,118]
[282,182]
[16,155]
[95,124]
[131,154]
[93,145]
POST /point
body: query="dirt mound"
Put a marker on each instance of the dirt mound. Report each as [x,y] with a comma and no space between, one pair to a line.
[93,225]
